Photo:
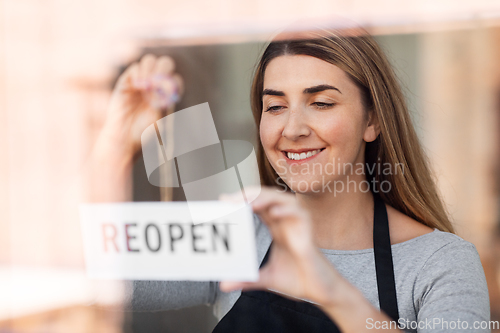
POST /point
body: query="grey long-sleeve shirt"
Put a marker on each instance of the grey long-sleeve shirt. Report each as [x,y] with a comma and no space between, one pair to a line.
[440,284]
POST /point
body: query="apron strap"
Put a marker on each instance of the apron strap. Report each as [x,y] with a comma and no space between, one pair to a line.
[383,260]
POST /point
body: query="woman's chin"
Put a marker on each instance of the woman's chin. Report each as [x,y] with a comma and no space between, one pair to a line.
[307,186]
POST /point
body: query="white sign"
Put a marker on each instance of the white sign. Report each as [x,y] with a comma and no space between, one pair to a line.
[159,241]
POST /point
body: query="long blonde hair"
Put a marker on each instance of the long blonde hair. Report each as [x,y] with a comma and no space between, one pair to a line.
[413,190]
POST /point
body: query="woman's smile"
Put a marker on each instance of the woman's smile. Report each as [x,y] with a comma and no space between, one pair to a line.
[299,156]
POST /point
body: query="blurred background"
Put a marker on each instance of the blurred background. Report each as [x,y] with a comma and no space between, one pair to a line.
[59,60]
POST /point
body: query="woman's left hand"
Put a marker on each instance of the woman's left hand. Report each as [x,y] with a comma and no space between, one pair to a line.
[295,267]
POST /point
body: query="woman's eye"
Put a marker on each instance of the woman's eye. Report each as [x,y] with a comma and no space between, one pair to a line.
[321,105]
[275,108]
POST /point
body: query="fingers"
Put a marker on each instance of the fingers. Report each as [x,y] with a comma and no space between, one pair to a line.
[155,79]
[164,65]
[269,197]
[128,78]
[140,74]
[280,212]
[134,73]
[268,202]
[146,67]
[137,74]
[266,197]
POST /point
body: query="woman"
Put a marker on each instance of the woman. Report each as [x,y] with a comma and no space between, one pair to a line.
[364,238]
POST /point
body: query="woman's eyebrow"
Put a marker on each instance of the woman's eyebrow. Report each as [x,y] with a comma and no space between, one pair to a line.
[318,88]
[273,92]
[311,90]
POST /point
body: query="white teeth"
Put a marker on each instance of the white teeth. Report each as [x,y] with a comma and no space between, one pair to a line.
[301,156]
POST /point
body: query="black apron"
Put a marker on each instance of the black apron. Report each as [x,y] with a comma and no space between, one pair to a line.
[263,311]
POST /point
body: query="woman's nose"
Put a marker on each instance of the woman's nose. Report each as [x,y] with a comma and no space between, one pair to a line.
[296,126]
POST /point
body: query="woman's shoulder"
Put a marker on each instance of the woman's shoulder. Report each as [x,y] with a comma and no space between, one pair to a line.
[441,271]
[437,243]
[414,239]
[441,263]
[439,254]
[448,275]
[403,228]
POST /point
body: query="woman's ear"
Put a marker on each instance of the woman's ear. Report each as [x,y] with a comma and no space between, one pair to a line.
[373,128]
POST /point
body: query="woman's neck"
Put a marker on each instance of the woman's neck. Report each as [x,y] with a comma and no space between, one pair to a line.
[341,221]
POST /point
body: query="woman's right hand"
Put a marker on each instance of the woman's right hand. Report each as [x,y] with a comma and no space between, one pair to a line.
[144,93]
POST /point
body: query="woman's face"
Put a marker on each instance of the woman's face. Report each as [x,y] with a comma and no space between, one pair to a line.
[314,125]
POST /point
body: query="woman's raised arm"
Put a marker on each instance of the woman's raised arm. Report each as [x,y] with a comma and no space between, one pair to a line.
[144,93]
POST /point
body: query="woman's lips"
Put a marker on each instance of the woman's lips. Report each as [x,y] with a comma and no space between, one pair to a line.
[297,153]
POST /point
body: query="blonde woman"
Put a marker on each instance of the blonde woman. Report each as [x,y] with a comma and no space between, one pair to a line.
[351,232]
